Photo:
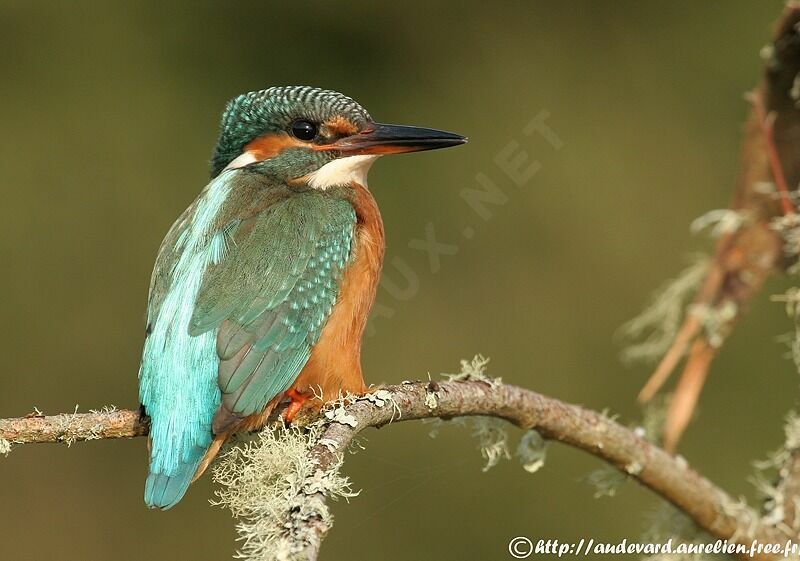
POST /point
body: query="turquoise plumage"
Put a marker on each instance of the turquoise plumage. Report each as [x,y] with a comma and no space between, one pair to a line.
[238,298]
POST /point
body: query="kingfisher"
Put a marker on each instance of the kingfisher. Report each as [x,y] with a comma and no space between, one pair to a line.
[261,289]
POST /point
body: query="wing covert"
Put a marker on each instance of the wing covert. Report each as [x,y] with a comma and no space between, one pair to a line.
[271,293]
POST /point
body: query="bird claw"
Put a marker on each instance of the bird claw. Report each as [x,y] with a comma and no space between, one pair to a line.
[298,400]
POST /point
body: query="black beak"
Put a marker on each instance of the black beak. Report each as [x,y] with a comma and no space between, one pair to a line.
[396,139]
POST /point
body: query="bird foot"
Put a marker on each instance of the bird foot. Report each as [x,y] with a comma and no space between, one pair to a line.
[298,400]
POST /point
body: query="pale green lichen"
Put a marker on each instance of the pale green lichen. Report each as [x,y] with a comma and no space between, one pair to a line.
[606,480]
[792,431]
[655,328]
[767,52]
[277,491]
[633,468]
[106,409]
[381,398]
[720,221]
[532,451]
[654,414]
[771,477]
[777,458]
[773,500]
[474,370]
[492,440]
[739,509]
[653,331]
[491,433]
[437,424]
[791,299]
[788,226]
[329,443]
[431,399]
[668,523]
[338,414]
[5,447]
[336,410]
[717,320]
[69,428]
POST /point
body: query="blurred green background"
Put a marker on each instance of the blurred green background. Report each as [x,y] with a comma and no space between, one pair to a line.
[109,113]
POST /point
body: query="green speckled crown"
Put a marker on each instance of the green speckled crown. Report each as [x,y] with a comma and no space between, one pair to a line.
[253,114]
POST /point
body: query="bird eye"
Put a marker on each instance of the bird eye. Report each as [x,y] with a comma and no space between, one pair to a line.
[304,130]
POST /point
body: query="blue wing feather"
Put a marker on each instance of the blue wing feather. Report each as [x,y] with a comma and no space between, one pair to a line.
[177,374]
[278,340]
[235,310]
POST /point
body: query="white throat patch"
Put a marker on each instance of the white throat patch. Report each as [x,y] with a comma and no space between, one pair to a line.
[242,160]
[342,171]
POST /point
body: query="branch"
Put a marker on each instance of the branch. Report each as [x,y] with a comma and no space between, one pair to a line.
[708,506]
[73,427]
[748,254]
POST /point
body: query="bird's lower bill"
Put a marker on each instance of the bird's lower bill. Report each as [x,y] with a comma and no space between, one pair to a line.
[380,139]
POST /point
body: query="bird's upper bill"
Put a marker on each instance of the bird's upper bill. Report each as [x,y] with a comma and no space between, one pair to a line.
[379,139]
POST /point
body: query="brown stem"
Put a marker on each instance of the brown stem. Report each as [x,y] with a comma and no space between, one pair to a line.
[73,427]
[767,124]
[670,477]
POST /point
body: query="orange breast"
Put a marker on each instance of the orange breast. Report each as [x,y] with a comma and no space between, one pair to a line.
[335,363]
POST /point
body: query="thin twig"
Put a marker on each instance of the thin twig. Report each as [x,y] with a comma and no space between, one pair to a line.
[73,427]
[767,124]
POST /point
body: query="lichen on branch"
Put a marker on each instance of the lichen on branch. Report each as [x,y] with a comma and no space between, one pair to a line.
[317,452]
[276,490]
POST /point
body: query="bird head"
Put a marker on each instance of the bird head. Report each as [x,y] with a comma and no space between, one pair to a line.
[319,137]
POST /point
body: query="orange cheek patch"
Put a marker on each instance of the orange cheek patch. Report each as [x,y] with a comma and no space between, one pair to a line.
[340,126]
[270,145]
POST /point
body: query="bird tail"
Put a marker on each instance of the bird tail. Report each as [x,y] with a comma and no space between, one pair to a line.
[165,490]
